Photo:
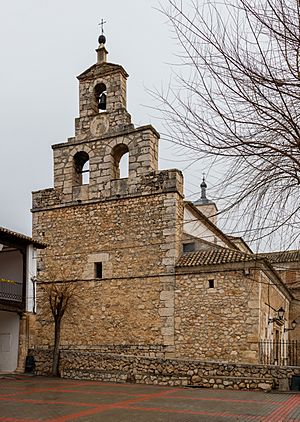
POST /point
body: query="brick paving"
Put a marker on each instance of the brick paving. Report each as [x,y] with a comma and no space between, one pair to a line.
[32,399]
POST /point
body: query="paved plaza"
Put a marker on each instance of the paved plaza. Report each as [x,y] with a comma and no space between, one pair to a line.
[30,399]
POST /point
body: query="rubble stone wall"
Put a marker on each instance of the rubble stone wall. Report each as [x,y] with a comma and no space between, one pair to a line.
[207,317]
[93,365]
[136,239]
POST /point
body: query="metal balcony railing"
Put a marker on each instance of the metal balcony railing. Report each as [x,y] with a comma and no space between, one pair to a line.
[11,290]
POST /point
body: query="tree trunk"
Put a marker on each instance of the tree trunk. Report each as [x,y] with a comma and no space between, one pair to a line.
[55,362]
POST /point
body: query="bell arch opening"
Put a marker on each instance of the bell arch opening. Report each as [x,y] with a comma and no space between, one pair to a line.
[81,168]
[120,155]
[101,97]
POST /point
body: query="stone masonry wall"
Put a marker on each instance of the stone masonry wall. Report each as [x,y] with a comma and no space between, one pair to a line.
[115,117]
[142,144]
[93,365]
[135,239]
[219,323]
[109,311]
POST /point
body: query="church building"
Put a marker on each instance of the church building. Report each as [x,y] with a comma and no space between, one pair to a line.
[158,284]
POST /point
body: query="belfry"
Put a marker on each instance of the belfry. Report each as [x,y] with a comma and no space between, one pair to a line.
[117,238]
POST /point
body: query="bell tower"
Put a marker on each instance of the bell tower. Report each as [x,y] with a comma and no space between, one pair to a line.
[102,98]
[87,166]
[117,238]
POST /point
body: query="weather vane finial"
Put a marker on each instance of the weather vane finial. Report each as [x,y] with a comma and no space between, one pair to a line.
[102,25]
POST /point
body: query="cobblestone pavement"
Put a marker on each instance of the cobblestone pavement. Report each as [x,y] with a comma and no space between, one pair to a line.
[31,399]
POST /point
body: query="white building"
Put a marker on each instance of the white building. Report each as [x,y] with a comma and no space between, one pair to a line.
[17,296]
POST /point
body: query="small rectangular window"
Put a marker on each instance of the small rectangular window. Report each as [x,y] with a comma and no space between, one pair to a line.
[189,247]
[211,284]
[98,269]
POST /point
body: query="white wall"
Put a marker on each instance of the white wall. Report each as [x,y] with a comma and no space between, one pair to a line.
[195,227]
[9,341]
[11,266]
[30,277]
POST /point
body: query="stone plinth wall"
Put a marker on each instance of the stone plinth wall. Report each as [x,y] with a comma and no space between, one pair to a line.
[94,365]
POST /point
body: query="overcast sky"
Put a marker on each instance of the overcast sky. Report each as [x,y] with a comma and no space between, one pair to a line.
[44,45]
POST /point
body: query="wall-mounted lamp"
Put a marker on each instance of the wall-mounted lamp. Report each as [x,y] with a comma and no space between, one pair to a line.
[293,326]
[279,318]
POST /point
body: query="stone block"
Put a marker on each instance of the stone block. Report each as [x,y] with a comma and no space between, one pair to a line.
[166,312]
[167,295]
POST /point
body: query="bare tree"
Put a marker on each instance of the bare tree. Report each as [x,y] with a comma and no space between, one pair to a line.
[59,296]
[236,101]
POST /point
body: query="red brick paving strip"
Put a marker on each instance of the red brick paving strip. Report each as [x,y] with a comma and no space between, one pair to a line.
[104,407]
[190,412]
[281,414]
[224,400]
[16,420]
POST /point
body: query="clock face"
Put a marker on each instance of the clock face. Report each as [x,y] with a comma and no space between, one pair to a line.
[99,125]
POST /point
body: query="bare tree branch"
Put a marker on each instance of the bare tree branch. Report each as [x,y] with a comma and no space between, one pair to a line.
[59,296]
[237,98]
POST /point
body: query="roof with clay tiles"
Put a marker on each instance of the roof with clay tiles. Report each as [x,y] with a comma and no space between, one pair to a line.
[281,256]
[214,256]
[6,234]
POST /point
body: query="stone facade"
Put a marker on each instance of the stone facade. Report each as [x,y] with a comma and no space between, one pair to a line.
[132,301]
[206,317]
[139,303]
[132,227]
[214,305]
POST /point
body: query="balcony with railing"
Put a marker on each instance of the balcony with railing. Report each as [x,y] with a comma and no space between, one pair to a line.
[11,290]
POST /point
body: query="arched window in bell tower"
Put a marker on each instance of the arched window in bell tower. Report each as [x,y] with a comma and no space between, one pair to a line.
[120,154]
[124,166]
[101,97]
[81,168]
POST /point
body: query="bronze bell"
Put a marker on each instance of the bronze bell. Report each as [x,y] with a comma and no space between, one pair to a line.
[102,101]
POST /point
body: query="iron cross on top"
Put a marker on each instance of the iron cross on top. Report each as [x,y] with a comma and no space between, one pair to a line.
[102,25]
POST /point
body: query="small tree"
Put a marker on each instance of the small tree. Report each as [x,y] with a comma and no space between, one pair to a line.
[236,102]
[60,296]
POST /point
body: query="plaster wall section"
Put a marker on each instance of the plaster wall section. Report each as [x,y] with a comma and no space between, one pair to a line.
[290,274]
[194,227]
[11,266]
[30,277]
[9,340]
[270,301]
[294,335]
[210,211]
